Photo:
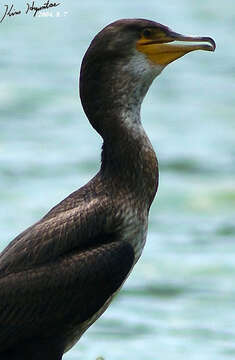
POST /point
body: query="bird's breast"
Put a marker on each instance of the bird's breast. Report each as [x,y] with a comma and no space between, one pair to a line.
[133,228]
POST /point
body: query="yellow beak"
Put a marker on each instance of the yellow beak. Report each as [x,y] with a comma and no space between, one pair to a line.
[158,50]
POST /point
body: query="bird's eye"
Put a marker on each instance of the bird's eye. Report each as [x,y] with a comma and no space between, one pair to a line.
[146,33]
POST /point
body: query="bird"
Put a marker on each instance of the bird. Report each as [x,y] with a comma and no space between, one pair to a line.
[59,276]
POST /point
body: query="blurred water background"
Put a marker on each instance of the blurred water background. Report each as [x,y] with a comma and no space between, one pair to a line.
[179,302]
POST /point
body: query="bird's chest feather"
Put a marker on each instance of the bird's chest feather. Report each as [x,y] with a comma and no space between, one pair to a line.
[132,228]
[135,232]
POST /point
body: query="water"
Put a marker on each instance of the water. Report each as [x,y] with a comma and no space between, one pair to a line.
[178,303]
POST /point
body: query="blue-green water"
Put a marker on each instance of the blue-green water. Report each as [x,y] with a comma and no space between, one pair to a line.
[179,302]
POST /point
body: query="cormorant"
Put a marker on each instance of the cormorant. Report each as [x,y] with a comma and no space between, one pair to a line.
[58,276]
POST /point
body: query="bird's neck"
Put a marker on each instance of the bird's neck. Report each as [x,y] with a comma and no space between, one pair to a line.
[128,156]
[111,96]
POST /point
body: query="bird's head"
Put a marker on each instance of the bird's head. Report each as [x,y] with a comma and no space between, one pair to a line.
[125,57]
[154,40]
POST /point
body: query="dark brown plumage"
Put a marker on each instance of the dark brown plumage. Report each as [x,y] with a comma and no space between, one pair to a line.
[59,275]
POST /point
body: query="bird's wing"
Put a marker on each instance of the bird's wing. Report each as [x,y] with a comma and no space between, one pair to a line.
[55,297]
[54,236]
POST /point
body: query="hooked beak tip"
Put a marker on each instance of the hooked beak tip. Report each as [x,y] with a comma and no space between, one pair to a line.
[211,46]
